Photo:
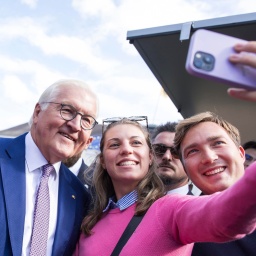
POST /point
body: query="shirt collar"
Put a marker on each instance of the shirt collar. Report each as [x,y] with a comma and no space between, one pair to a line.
[75,168]
[180,190]
[34,157]
[123,203]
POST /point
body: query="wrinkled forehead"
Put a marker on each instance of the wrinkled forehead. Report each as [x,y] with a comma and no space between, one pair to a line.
[78,97]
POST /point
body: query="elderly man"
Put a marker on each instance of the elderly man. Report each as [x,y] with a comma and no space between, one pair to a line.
[42,203]
[169,169]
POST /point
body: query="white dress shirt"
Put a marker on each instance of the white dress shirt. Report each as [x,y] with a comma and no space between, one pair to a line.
[75,168]
[34,160]
[184,190]
[181,190]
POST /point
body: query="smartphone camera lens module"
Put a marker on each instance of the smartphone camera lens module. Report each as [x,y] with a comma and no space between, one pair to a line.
[204,61]
[198,63]
[208,59]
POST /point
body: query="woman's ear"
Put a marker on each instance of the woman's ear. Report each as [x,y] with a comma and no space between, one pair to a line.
[102,162]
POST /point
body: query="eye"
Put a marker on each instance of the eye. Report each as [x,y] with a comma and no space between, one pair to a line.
[114,145]
[67,109]
[136,142]
[87,119]
[219,142]
[191,151]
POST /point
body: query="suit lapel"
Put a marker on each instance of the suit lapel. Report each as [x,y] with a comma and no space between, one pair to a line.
[82,169]
[66,213]
[14,185]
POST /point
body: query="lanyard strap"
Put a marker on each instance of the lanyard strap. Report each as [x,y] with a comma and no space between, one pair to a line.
[133,224]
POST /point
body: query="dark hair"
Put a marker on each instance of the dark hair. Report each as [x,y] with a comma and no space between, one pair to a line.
[168,127]
[250,144]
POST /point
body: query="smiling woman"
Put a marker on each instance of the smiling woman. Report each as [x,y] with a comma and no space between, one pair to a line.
[126,185]
[126,152]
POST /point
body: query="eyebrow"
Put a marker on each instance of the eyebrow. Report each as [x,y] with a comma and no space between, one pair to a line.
[84,112]
[133,137]
[209,139]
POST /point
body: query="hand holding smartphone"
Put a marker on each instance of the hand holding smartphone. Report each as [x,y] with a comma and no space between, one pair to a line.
[208,57]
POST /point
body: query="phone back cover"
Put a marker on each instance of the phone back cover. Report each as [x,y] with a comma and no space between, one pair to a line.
[221,47]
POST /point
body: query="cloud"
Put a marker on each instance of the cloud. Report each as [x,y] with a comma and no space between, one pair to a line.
[31,3]
[78,49]
[40,76]
[87,40]
[16,90]
[116,19]
[92,8]
[129,96]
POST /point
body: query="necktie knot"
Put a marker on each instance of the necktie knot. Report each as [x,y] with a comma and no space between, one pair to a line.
[47,169]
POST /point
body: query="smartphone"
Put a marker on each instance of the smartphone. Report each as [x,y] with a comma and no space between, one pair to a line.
[208,55]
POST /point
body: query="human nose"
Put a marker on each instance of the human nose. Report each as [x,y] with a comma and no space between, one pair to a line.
[208,156]
[167,155]
[126,148]
[75,123]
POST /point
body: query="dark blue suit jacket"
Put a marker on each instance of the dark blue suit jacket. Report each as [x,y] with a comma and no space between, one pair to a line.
[242,247]
[80,174]
[73,202]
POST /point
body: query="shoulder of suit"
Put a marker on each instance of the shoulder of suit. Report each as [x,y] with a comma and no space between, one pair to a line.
[71,176]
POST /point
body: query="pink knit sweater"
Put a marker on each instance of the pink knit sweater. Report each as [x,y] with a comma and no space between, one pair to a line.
[174,222]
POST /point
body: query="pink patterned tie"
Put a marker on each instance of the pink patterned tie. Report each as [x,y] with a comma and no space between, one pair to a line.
[41,215]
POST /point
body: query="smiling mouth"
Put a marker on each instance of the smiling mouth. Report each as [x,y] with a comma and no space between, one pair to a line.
[215,171]
[67,136]
[127,163]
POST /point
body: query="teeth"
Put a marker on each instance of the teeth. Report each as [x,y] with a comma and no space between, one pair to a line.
[221,169]
[65,135]
[127,163]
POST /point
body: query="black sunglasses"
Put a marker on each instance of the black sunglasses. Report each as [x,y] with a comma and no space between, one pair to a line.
[160,150]
[249,158]
[131,118]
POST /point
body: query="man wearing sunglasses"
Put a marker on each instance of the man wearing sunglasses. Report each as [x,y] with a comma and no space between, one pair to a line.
[170,169]
[250,152]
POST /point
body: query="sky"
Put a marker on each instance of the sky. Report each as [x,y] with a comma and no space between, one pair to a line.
[42,41]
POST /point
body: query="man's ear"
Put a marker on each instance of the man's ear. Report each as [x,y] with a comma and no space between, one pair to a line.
[242,152]
[88,142]
[36,112]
